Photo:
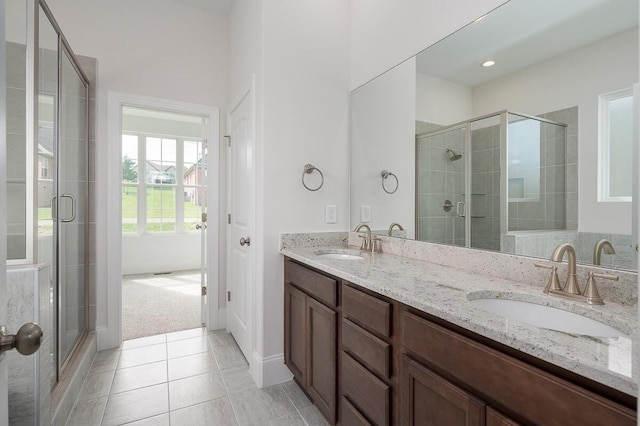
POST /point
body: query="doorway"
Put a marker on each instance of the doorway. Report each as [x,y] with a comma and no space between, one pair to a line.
[164,209]
[166,184]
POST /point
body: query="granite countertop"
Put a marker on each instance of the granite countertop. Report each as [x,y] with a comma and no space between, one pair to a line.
[444,292]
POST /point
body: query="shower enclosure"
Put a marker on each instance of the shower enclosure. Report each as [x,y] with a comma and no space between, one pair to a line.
[483,178]
[49,156]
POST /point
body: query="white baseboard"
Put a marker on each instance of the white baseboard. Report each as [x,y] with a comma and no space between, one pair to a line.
[269,371]
[222,319]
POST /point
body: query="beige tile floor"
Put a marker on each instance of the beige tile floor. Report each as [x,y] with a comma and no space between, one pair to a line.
[190,377]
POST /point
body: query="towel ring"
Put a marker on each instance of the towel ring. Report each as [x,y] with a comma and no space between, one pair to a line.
[308,169]
[385,174]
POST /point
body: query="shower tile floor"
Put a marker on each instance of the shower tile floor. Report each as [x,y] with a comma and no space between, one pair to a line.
[191,377]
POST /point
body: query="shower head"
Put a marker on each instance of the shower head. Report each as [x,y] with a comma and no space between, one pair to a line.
[454,156]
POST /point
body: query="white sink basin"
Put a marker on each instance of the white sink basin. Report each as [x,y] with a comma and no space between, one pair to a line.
[546,317]
[339,254]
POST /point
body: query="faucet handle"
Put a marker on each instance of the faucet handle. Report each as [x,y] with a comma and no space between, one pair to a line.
[376,244]
[544,266]
[605,276]
[591,291]
[554,282]
[364,242]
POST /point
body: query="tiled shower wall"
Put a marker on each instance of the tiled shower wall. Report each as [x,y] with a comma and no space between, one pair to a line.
[569,116]
[90,68]
[485,184]
[541,244]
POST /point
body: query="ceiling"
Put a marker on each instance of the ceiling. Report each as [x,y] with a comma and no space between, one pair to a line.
[214,6]
[522,33]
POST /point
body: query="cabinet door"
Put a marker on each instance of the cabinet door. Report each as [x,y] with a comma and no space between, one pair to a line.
[428,399]
[494,418]
[295,346]
[322,324]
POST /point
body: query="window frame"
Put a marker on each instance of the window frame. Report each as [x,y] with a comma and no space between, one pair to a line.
[604,146]
[142,185]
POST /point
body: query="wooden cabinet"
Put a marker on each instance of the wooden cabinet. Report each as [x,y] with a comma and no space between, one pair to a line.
[504,382]
[366,375]
[311,341]
[428,399]
[385,363]
[322,353]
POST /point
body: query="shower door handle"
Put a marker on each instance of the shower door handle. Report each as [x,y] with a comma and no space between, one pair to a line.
[73,208]
[460,208]
[54,207]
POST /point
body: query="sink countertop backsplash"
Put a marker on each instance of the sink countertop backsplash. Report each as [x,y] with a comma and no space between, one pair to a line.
[436,280]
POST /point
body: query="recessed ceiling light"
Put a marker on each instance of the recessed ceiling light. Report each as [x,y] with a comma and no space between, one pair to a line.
[489,64]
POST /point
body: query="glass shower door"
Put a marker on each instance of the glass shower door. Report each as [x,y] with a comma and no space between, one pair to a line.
[47,147]
[72,202]
[485,213]
[440,186]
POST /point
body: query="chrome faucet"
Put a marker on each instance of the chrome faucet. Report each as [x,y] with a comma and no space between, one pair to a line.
[599,247]
[394,224]
[571,286]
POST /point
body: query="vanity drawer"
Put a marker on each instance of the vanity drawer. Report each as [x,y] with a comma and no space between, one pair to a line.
[351,416]
[322,287]
[374,352]
[368,394]
[507,381]
[368,311]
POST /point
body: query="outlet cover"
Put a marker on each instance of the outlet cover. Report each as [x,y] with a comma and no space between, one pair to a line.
[331,214]
[365,214]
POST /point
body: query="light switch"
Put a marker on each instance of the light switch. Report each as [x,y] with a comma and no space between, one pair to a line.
[365,214]
[331,214]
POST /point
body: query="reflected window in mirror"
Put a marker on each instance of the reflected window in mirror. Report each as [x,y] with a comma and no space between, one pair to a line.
[615,146]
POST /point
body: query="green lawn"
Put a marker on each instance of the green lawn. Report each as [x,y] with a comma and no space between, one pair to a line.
[160,205]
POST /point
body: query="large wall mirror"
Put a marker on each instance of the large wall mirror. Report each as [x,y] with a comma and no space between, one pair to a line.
[515,133]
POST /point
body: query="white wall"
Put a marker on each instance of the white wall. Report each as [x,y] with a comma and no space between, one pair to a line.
[560,83]
[385,33]
[157,48]
[306,120]
[160,253]
[441,102]
[383,138]
[299,54]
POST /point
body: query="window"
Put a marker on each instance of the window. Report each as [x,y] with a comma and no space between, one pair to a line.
[162,174]
[44,167]
[615,145]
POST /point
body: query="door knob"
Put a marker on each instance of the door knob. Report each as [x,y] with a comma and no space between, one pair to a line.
[198,226]
[245,241]
[27,340]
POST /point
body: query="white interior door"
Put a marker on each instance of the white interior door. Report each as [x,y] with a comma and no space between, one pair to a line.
[201,191]
[241,228]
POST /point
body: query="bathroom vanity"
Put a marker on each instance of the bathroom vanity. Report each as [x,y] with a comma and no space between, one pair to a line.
[387,339]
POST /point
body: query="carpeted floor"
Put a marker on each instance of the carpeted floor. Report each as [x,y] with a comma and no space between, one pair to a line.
[159,304]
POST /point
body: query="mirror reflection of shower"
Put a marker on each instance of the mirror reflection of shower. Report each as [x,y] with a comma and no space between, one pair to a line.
[454,156]
[513,179]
